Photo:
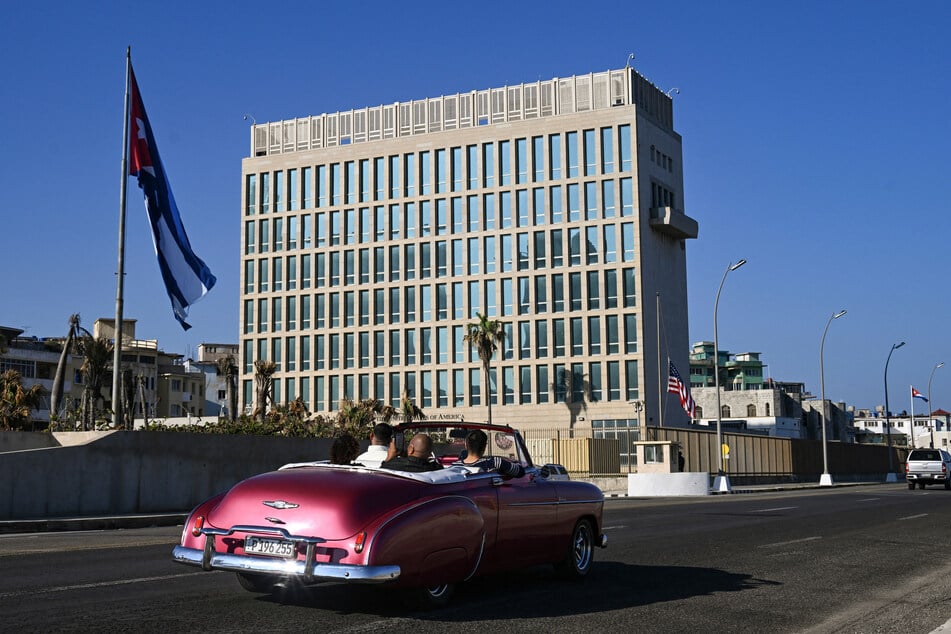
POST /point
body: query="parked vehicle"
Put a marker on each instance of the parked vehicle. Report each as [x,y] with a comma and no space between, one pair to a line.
[928,466]
[555,471]
[424,532]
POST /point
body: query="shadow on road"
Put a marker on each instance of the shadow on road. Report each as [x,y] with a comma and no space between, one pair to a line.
[535,593]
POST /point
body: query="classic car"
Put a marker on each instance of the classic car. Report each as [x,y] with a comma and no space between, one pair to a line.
[314,522]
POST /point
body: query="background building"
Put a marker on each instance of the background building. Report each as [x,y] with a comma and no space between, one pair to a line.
[371,238]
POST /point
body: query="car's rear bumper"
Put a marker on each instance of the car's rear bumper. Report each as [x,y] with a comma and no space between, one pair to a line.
[309,573]
[926,477]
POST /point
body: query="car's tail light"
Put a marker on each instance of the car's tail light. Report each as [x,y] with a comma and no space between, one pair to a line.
[197,526]
[361,540]
[906,467]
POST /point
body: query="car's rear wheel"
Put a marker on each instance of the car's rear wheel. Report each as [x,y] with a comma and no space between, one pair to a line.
[911,485]
[921,485]
[947,485]
[580,555]
[431,597]
[256,583]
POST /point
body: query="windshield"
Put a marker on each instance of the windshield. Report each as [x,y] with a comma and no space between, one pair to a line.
[449,441]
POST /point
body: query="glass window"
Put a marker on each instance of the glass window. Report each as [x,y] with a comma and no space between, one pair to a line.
[538,202]
[505,163]
[557,249]
[424,176]
[442,219]
[575,297]
[541,339]
[590,153]
[250,195]
[610,289]
[630,295]
[571,142]
[409,303]
[320,184]
[291,312]
[590,201]
[249,276]
[505,209]
[594,295]
[630,376]
[488,211]
[554,156]
[627,242]
[425,261]
[379,169]
[472,159]
[409,175]
[335,190]
[594,336]
[541,296]
[305,312]
[488,165]
[592,240]
[490,299]
[611,334]
[624,147]
[521,161]
[607,150]
[394,175]
[630,333]
[594,381]
[538,159]
[558,335]
[266,193]
[577,339]
[457,172]
[441,176]
[574,202]
[627,197]
[541,384]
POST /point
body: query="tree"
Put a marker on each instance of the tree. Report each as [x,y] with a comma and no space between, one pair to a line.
[409,411]
[263,384]
[358,417]
[228,369]
[59,380]
[486,336]
[97,359]
[16,403]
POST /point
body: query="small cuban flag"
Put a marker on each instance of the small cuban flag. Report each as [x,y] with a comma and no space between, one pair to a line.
[916,394]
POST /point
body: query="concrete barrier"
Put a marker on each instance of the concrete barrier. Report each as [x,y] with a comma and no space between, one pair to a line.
[138,472]
[668,484]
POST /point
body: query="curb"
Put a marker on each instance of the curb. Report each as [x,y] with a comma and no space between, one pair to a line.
[102,523]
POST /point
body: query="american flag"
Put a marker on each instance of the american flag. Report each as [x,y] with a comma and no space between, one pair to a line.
[676,385]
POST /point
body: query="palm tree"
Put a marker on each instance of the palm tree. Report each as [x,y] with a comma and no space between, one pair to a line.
[97,359]
[228,368]
[264,384]
[409,411]
[56,393]
[485,336]
[16,403]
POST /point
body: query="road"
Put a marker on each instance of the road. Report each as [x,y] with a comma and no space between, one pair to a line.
[860,559]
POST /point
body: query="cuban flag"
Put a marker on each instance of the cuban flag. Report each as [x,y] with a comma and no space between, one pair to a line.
[916,394]
[186,277]
[676,385]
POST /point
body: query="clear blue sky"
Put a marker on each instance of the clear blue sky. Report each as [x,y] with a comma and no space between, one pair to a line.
[816,140]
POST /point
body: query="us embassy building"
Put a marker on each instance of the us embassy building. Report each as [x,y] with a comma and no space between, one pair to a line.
[372,237]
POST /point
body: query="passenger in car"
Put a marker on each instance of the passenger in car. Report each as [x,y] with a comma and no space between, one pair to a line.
[344,449]
[476,443]
[418,456]
[376,453]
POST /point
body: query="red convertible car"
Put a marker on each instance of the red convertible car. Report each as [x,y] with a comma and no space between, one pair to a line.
[315,522]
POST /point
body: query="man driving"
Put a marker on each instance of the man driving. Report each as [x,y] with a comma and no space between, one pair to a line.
[476,442]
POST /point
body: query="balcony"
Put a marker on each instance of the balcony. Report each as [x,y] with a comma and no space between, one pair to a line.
[674,223]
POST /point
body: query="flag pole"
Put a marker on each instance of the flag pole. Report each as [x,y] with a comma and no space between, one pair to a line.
[120,265]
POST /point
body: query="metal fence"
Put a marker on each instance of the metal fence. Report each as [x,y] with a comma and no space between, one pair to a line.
[750,458]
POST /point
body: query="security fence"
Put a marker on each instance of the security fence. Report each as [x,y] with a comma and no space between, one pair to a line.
[747,458]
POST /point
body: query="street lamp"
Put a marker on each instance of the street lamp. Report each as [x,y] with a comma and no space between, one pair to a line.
[722,482]
[826,479]
[891,477]
[930,402]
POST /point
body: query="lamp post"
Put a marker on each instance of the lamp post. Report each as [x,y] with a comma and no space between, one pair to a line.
[722,482]
[930,402]
[891,477]
[826,479]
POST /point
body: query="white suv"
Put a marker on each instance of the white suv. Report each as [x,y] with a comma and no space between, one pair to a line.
[928,466]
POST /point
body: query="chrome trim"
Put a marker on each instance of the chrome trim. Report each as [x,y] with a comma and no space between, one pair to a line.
[271,530]
[604,541]
[280,504]
[309,570]
[598,501]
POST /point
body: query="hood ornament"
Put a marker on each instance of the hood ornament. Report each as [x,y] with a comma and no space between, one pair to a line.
[275,520]
[280,504]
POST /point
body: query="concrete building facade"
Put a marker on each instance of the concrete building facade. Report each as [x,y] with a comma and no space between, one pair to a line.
[372,237]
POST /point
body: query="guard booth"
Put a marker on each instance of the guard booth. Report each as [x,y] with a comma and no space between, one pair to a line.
[658,456]
[659,472]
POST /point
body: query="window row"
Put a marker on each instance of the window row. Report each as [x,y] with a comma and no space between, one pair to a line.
[489,164]
[593,245]
[525,340]
[557,383]
[528,295]
[575,202]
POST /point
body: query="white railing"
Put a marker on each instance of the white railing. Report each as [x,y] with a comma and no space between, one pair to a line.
[547,98]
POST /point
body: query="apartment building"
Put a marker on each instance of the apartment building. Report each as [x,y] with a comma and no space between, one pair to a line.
[372,237]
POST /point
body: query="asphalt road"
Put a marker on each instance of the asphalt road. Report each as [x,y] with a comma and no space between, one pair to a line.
[862,559]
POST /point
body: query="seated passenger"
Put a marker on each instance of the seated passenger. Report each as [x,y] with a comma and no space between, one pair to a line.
[376,453]
[418,456]
[344,449]
[476,442]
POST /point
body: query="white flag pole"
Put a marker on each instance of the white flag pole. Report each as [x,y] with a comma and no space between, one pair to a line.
[120,265]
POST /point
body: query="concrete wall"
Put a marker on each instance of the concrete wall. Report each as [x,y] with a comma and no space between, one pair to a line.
[138,472]
[20,440]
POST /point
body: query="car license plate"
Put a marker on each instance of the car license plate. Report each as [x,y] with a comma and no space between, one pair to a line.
[269,547]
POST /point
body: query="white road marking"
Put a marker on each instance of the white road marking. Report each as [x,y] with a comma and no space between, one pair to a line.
[869,500]
[912,517]
[778,508]
[99,584]
[794,541]
[612,528]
